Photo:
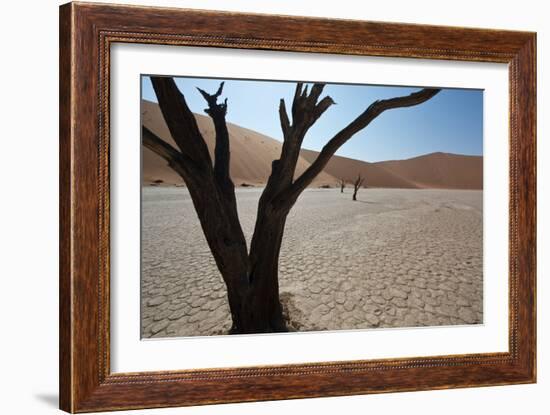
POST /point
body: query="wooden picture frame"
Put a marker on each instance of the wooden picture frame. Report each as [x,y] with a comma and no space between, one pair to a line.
[86,33]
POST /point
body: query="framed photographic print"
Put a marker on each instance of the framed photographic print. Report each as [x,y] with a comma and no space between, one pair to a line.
[253,208]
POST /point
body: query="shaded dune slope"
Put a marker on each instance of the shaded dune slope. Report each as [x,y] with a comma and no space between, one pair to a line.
[348,169]
[434,170]
[251,152]
[440,170]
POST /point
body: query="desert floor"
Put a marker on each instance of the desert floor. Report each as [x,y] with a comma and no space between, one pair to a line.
[395,258]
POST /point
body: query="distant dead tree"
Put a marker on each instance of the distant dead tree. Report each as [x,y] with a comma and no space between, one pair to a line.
[356,185]
[342,185]
[251,275]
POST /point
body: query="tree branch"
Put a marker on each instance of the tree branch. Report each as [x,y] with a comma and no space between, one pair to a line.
[181,121]
[289,196]
[156,144]
[179,162]
[296,99]
[305,111]
[222,153]
[283,116]
[212,101]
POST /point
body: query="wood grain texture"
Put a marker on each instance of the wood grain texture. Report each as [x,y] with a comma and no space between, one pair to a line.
[86,33]
[65,246]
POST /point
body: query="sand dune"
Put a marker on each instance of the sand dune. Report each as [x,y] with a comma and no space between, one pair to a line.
[439,170]
[252,154]
[435,170]
[348,169]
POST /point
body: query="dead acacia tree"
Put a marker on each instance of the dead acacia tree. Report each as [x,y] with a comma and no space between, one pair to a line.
[251,275]
[342,185]
[357,185]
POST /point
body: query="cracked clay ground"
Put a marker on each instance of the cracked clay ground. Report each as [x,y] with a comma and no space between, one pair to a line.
[395,258]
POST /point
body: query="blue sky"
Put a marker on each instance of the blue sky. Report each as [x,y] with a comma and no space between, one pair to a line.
[451,122]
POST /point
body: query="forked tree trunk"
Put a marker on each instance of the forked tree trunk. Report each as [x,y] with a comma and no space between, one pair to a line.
[251,276]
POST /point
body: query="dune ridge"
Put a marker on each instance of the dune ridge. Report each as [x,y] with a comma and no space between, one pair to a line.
[252,154]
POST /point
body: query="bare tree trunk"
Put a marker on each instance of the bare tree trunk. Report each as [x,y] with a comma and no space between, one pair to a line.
[357,185]
[251,276]
[265,311]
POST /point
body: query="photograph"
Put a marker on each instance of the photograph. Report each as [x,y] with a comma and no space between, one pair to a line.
[271,206]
